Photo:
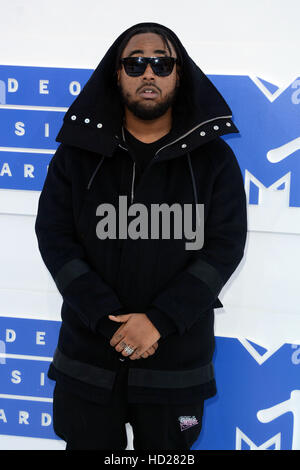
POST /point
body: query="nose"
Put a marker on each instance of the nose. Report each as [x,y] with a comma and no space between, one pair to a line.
[148,72]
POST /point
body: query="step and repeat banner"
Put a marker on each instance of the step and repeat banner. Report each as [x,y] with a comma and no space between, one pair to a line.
[257,357]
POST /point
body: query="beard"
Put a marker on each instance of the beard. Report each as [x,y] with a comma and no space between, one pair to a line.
[147,113]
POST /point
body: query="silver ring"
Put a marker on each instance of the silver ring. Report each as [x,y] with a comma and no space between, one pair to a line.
[128,350]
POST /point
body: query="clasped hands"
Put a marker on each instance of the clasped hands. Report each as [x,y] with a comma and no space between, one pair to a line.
[136,331]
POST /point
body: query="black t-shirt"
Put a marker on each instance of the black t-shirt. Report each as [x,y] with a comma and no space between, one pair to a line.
[142,152]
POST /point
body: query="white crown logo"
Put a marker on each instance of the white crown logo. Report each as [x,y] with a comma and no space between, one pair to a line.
[272,213]
[241,437]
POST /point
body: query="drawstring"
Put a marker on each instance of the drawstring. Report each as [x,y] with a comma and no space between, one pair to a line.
[194,187]
[100,163]
[133,169]
[94,174]
[97,168]
[132,184]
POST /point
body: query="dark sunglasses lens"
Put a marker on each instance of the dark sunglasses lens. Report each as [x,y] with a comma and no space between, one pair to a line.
[134,67]
[163,66]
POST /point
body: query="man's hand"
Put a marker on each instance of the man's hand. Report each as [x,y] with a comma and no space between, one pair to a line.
[138,332]
[149,351]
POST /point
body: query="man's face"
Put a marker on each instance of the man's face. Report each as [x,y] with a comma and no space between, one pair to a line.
[145,106]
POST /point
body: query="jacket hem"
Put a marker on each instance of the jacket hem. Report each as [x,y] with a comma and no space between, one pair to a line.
[171,379]
[84,372]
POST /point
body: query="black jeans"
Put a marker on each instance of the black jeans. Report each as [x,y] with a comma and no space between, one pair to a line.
[86,425]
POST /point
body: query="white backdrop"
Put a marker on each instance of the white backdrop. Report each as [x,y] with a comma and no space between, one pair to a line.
[259,39]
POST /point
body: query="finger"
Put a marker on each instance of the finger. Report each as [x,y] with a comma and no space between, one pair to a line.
[136,354]
[125,353]
[119,318]
[151,351]
[117,337]
[148,353]
[121,345]
[145,355]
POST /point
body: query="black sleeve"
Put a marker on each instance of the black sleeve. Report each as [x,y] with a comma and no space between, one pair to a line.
[80,286]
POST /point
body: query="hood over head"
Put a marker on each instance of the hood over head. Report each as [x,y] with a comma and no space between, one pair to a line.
[95,118]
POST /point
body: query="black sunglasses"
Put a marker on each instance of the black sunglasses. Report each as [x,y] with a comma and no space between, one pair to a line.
[136,66]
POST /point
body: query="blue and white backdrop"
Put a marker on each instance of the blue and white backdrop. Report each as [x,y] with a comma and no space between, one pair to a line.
[257,358]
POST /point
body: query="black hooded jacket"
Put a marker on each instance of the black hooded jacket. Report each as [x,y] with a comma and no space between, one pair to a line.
[177,288]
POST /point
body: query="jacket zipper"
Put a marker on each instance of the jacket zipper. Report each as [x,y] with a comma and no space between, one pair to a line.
[191,130]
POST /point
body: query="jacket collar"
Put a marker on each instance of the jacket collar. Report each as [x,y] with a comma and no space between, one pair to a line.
[194,137]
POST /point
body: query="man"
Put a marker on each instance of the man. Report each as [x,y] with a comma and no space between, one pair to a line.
[137,334]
